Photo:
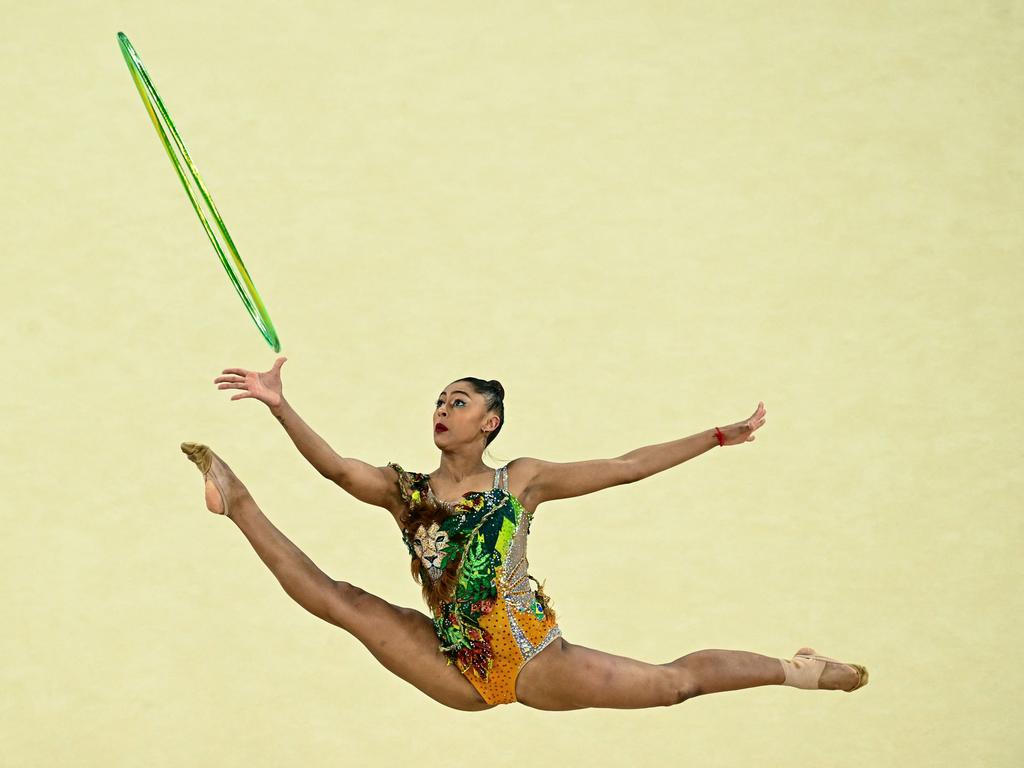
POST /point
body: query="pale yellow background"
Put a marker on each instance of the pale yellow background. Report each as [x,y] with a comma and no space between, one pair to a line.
[643,218]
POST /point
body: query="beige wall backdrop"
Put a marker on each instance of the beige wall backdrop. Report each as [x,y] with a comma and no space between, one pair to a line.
[643,218]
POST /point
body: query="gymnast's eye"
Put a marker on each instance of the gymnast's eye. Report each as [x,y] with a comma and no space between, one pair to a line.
[456,400]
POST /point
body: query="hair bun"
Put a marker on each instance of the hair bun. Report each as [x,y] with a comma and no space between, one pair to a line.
[501,389]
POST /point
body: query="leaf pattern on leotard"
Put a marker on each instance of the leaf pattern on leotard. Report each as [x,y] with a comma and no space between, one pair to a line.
[476,579]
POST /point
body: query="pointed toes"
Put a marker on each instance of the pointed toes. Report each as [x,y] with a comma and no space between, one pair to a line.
[199,454]
[863,676]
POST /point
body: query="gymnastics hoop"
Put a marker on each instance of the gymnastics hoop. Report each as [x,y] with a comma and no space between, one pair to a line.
[235,268]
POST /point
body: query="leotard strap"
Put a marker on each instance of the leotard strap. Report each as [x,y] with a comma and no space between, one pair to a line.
[501,477]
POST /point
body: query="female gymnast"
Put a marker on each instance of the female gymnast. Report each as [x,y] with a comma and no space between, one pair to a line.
[493,638]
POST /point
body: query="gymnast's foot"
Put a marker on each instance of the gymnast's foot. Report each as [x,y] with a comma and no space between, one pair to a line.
[835,676]
[224,491]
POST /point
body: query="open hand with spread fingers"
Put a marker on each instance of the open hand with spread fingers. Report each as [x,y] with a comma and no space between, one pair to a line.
[743,431]
[265,386]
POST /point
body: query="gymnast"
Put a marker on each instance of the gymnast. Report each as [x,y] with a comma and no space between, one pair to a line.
[492,637]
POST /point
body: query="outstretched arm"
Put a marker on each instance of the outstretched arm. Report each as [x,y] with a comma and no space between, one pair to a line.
[549,480]
[373,485]
[370,484]
[324,459]
[652,459]
[266,387]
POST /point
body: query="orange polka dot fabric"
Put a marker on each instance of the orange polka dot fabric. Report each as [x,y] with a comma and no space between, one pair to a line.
[516,637]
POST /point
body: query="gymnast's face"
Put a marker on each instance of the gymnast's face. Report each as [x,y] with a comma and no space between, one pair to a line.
[464,413]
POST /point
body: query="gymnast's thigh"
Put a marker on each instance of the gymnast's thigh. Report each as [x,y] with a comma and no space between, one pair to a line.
[404,641]
[569,676]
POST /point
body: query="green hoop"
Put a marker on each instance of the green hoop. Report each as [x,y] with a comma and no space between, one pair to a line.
[235,268]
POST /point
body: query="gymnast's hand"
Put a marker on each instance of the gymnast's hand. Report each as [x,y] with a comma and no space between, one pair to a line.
[265,386]
[742,431]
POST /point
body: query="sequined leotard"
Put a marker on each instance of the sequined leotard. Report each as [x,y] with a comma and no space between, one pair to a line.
[489,619]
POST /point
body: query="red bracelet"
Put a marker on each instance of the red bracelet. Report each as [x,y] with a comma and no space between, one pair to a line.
[720,436]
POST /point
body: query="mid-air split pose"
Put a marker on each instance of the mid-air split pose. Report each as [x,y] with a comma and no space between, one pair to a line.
[499,638]
[493,637]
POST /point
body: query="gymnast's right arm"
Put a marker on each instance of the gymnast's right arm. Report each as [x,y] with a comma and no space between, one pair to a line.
[373,485]
[369,484]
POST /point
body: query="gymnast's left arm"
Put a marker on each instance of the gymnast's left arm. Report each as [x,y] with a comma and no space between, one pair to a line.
[652,459]
[548,480]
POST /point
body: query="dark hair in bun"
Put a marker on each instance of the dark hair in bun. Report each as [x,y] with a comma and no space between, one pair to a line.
[494,396]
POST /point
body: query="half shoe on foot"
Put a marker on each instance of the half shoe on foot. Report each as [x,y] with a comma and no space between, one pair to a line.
[202,457]
[804,671]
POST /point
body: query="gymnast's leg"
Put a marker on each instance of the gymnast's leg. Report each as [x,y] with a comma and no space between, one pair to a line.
[569,676]
[402,639]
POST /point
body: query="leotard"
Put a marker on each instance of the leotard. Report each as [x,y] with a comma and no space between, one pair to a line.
[489,620]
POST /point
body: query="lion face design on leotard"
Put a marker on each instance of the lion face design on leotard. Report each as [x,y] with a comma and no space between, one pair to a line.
[430,545]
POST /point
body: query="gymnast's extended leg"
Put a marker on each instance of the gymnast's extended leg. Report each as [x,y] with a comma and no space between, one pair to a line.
[402,639]
[569,676]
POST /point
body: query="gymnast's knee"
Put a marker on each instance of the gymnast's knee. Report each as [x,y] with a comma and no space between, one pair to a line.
[683,686]
[344,603]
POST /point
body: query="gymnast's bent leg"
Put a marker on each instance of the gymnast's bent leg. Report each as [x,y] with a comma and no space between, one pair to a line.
[402,639]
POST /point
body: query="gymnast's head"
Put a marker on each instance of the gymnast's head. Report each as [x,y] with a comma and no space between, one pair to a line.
[471,412]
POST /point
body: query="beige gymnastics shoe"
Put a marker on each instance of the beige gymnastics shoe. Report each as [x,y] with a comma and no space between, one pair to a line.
[208,463]
[804,671]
